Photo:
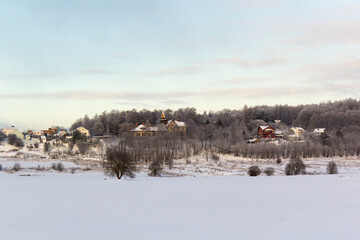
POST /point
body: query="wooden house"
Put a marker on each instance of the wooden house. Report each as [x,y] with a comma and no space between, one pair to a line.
[266,132]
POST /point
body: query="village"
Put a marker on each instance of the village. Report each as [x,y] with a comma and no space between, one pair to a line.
[264,133]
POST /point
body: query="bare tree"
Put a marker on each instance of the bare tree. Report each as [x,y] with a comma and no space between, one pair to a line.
[155,168]
[119,163]
[295,166]
[332,168]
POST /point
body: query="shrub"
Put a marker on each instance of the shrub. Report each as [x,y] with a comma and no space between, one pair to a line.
[295,166]
[332,168]
[36,145]
[83,147]
[58,167]
[269,171]
[16,167]
[39,168]
[0,167]
[155,169]
[278,161]
[11,139]
[254,171]
[215,157]
[2,136]
[119,163]
[19,143]
[47,147]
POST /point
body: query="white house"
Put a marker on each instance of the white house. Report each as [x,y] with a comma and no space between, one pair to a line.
[319,131]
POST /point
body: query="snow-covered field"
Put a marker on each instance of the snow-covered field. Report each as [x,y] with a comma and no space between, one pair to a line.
[88,206]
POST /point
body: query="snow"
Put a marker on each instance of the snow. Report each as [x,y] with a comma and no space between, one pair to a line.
[86,206]
[139,128]
[178,123]
[319,130]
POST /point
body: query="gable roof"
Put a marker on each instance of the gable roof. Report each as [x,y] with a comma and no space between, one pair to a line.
[265,127]
[319,130]
[178,123]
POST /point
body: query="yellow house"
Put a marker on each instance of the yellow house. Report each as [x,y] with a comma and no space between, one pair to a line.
[176,126]
[164,126]
[298,131]
[9,131]
[83,130]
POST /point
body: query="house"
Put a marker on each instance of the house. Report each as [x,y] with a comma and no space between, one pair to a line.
[50,131]
[319,131]
[266,132]
[13,130]
[172,126]
[253,140]
[84,131]
[279,133]
[142,130]
[298,131]
[36,133]
[176,126]
[61,133]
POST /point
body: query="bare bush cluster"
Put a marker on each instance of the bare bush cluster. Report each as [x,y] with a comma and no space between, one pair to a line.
[295,166]
[332,168]
[254,171]
[58,167]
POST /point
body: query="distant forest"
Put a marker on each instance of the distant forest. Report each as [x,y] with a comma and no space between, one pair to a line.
[339,115]
[226,131]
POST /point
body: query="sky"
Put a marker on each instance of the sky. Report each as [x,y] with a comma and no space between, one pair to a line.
[60,60]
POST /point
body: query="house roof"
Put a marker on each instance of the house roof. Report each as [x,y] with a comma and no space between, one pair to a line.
[139,128]
[298,128]
[319,130]
[178,123]
[264,127]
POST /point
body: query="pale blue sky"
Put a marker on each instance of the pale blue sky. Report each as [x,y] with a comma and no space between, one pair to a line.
[63,59]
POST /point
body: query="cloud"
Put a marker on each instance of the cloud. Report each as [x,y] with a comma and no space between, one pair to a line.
[345,32]
[247,63]
[164,72]
[121,56]
[174,71]
[239,80]
[346,70]
[110,72]
[250,3]
[179,97]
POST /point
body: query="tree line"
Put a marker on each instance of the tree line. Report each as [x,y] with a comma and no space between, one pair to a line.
[227,130]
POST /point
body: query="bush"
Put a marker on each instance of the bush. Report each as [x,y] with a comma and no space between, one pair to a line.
[269,171]
[332,168]
[47,147]
[2,136]
[83,147]
[295,166]
[119,163]
[11,139]
[36,145]
[19,143]
[58,167]
[278,161]
[155,169]
[16,167]
[215,157]
[254,171]
[0,167]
